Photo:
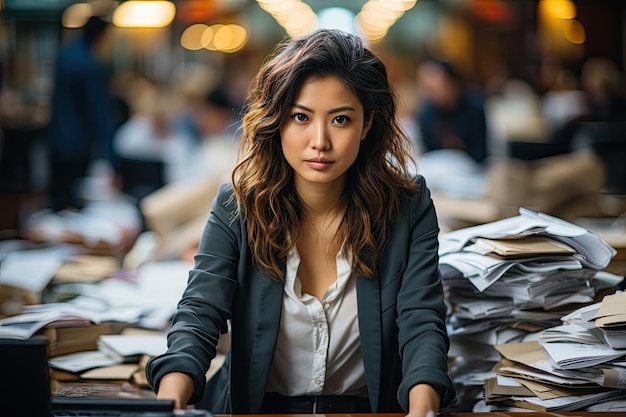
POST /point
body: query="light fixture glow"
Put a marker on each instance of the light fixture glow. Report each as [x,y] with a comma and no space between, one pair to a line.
[276,7]
[144,14]
[192,37]
[209,35]
[398,5]
[239,37]
[301,21]
[377,16]
[561,9]
[76,15]
[574,32]
[382,12]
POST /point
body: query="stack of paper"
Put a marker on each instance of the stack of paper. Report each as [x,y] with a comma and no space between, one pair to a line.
[508,281]
[36,317]
[570,367]
[131,347]
[611,320]
[591,250]
[556,376]
[118,357]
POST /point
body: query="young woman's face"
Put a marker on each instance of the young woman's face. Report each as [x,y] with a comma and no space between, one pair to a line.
[323,130]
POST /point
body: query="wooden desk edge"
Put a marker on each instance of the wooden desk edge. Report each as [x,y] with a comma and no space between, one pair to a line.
[463,414]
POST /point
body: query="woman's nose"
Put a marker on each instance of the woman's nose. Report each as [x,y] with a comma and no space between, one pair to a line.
[320,140]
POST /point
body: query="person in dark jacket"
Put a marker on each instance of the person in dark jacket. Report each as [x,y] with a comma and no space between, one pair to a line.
[322,253]
[82,121]
[451,115]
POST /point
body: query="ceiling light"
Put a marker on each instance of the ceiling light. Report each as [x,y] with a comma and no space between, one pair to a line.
[144,14]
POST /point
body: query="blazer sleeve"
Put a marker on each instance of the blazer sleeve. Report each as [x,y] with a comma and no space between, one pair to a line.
[205,306]
[422,336]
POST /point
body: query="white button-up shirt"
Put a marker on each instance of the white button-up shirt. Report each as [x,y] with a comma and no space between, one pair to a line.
[318,350]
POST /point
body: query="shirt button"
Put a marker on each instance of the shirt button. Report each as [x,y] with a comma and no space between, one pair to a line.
[321,352]
[318,382]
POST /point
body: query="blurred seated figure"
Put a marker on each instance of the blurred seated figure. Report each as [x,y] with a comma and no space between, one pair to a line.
[602,126]
[152,152]
[452,130]
[564,98]
[598,125]
[567,167]
[216,123]
[177,212]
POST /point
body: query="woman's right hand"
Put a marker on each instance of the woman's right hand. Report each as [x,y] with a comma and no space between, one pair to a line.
[178,387]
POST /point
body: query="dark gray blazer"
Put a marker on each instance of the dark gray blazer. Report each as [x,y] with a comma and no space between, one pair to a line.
[401,315]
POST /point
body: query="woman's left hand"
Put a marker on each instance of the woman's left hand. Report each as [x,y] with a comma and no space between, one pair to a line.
[429,413]
[424,401]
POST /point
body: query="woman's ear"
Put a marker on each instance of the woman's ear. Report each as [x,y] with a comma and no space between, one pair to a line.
[367,126]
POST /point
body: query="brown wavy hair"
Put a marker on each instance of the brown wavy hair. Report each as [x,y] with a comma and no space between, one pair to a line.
[375,183]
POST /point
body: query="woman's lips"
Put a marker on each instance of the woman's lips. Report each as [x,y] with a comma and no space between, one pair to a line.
[319,163]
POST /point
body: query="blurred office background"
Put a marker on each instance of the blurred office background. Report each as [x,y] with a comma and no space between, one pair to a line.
[526,59]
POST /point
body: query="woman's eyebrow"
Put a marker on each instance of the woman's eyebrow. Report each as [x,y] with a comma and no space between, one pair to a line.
[336,110]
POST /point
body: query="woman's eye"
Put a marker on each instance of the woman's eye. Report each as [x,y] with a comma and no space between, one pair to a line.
[299,117]
[341,120]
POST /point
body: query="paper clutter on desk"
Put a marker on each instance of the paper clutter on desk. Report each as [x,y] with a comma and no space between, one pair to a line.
[611,320]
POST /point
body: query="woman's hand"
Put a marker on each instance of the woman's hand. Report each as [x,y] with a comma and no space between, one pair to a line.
[423,401]
[178,387]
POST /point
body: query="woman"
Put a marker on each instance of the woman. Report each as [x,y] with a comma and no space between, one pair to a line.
[322,252]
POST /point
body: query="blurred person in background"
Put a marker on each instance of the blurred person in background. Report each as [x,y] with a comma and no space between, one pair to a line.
[574,156]
[452,130]
[604,98]
[216,123]
[177,211]
[564,98]
[152,151]
[601,127]
[82,120]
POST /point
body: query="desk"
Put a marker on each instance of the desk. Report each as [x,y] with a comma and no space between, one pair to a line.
[494,414]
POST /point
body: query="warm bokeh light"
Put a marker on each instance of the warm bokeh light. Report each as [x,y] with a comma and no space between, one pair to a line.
[76,15]
[559,33]
[239,40]
[295,16]
[382,12]
[372,22]
[192,37]
[455,38]
[301,22]
[144,14]
[218,37]
[276,7]
[398,5]
[230,38]
[223,37]
[377,16]
[574,32]
[208,36]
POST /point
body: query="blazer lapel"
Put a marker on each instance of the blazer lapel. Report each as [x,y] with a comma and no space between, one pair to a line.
[368,295]
[269,297]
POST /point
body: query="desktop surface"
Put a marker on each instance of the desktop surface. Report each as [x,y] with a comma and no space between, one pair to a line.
[461,414]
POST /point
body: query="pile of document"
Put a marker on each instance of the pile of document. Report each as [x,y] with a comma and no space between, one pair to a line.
[572,366]
[508,281]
